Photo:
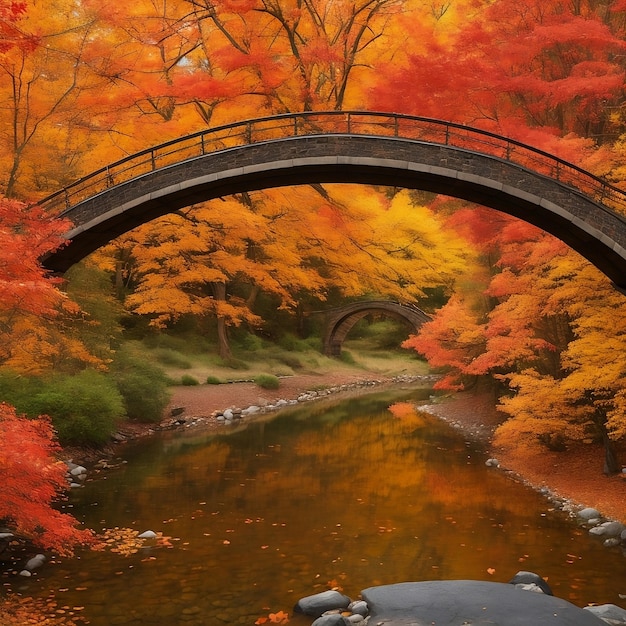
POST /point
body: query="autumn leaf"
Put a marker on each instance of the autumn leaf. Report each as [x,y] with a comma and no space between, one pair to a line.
[274,618]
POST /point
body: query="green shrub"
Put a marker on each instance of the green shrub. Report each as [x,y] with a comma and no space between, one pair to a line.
[347,357]
[144,386]
[267,381]
[172,358]
[19,391]
[249,342]
[314,343]
[291,361]
[213,380]
[85,408]
[189,380]
[291,342]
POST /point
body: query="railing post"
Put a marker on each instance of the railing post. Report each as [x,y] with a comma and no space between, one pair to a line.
[558,170]
[67,198]
[202,146]
[447,134]
[295,126]
[153,159]
[110,182]
[396,130]
[248,133]
[349,123]
[604,193]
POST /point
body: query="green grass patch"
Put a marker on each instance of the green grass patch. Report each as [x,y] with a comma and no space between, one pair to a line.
[267,381]
[188,380]
[172,358]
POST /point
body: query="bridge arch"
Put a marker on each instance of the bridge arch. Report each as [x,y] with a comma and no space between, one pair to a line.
[347,147]
[341,320]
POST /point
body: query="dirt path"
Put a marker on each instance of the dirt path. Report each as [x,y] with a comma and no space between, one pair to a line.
[202,400]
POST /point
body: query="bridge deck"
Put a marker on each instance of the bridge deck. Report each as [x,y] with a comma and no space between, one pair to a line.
[348,146]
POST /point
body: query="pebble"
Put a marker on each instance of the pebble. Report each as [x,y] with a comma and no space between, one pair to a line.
[147,534]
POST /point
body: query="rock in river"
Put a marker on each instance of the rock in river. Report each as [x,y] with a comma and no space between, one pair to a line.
[454,602]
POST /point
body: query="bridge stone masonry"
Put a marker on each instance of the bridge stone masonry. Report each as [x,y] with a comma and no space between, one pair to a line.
[347,147]
[340,321]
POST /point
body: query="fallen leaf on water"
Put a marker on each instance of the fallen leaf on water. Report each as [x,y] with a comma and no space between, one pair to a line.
[279,618]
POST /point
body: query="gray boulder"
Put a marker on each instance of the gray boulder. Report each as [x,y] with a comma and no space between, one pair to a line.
[454,602]
[331,620]
[33,563]
[613,529]
[530,578]
[359,608]
[319,603]
[589,513]
[609,613]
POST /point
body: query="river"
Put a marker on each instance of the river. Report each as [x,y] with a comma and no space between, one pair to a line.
[345,493]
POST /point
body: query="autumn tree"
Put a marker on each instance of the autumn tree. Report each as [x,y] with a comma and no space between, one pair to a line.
[584,399]
[31,477]
[532,70]
[35,316]
[219,61]
[309,54]
[287,243]
[548,74]
[551,333]
[46,68]
[33,480]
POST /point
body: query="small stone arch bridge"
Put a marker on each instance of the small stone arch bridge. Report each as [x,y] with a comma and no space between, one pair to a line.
[340,321]
[582,210]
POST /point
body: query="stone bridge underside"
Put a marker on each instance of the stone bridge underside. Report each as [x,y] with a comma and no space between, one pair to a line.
[588,227]
[340,321]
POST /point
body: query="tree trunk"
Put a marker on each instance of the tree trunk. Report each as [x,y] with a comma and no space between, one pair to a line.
[611,464]
[222,339]
[223,347]
[254,292]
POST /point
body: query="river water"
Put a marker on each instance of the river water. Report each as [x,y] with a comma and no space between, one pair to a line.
[346,493]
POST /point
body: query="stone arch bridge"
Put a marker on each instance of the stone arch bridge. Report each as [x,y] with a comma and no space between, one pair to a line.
[340,321]
[582,210]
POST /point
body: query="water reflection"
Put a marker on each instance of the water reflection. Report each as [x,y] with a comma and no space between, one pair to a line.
[349,493]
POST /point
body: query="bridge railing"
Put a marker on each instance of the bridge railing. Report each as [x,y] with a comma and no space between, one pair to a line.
[335,122]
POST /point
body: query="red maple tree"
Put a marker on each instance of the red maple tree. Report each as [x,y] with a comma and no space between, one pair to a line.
[32,478]
[32,481]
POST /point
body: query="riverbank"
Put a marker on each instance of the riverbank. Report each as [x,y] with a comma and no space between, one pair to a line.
[575,475]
